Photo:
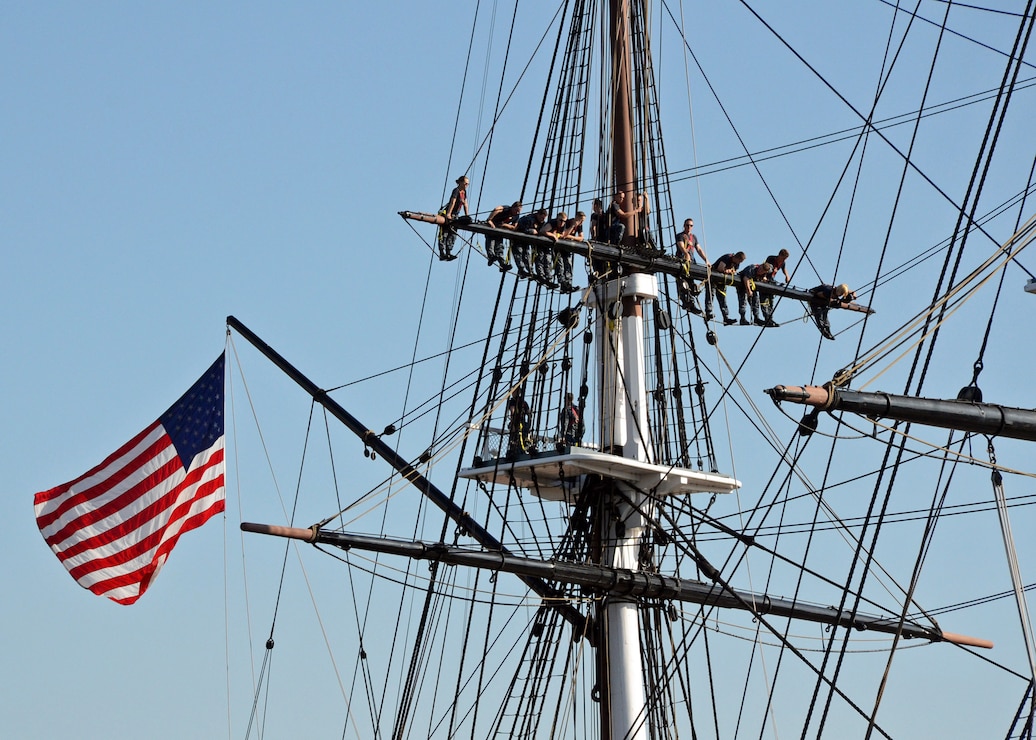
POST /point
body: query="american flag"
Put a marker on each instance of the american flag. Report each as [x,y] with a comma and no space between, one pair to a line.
[114,526]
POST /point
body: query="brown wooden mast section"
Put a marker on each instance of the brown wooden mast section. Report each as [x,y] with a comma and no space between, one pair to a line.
[624,172]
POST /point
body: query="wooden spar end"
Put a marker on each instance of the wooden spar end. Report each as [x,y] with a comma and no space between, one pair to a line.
[428,218]
[810,395]
[859,308]
[967,640]
[292,533]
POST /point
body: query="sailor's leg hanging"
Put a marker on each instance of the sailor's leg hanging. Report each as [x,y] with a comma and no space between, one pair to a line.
[819,314]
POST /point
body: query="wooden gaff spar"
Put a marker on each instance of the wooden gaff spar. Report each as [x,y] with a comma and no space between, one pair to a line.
[629,582]
[965,416]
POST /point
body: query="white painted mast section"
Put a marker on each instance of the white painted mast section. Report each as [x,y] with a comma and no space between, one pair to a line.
[644,290]
[625,421]
[611,361]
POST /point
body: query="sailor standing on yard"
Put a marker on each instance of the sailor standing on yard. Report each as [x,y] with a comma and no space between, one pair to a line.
[502,217]
[598,222]
[563,264]
[458,202]
[616,217]
[687,246]
[727,265]
[531,223]
[825,296]
[646,238]
[777,262]
[554,229]
[747,294]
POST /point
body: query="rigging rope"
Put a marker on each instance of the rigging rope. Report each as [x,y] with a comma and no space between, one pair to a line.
[1013,567]
[715,575]
[952,299]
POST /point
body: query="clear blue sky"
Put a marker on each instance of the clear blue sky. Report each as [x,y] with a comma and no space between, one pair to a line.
[167,164]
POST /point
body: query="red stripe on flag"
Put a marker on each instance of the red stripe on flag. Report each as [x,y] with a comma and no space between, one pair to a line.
[147,537]
[152,485]
[51,505]
[158,492]
[143,576]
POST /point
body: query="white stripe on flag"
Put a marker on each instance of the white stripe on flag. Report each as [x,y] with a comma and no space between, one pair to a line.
[147,527]
[92,489]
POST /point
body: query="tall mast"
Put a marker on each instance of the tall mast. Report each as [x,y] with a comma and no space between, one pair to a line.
[625,431]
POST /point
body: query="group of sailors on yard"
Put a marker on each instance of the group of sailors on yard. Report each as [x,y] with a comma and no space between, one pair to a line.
[553,268]
[545,266]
